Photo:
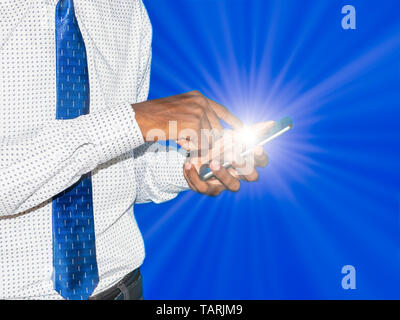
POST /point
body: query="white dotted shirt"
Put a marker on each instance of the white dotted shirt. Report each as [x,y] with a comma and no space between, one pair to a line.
[41,156]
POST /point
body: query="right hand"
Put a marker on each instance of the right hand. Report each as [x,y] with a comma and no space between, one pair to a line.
[228,149]
[192,112]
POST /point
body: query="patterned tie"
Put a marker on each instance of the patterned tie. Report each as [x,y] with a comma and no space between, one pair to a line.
[74,251]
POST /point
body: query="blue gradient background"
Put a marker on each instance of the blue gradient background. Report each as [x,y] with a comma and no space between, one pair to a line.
[330,195]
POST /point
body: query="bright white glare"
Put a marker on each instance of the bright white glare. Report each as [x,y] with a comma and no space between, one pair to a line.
[247,136]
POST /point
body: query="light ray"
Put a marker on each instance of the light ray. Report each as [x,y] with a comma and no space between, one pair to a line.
[329,195]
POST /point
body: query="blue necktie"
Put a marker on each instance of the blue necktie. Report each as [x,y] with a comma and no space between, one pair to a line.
[74,251]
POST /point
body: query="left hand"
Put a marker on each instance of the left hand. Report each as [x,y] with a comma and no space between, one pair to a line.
[242,169]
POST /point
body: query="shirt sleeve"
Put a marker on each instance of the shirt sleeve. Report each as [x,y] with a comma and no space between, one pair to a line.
[158,172]
[41,162]
[158,169]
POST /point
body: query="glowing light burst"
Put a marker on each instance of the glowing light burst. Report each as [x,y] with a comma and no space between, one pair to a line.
[247,135]
[329,195]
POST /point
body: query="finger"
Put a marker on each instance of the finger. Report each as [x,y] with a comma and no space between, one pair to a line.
[230,182]
[213,118]
[204,122]
[227,148]
[253,176]
[205,140]
[215,187]
[245,168]
[198,184]
[239,164]
[233,172]
[186,173]
[260,157]
[224,114]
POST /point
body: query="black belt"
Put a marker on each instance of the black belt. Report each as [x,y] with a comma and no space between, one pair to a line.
[129,288]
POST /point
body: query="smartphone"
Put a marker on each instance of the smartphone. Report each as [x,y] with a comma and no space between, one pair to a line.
[280,127]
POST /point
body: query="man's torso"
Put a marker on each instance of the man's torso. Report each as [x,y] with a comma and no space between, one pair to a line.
[117,36]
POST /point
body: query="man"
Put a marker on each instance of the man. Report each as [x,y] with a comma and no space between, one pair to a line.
[76,147]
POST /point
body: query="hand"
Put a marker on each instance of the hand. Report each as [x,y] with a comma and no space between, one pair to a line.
[182,118]
[242,169]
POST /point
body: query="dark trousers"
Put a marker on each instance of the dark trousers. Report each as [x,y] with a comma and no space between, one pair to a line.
[129,288]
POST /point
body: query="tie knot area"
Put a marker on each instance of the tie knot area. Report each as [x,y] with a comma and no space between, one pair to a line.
[65,10]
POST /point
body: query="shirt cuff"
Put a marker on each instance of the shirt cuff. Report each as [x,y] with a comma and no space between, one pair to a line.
[176,160]
[114,131]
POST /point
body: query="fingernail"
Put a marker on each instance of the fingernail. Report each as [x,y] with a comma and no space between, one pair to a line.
[214,165]
[188,166]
